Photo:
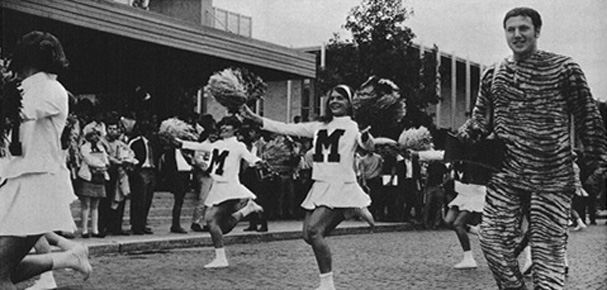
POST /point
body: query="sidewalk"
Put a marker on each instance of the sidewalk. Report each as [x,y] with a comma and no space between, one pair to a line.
[163,240]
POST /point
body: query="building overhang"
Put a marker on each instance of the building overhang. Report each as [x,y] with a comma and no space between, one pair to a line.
[126,21]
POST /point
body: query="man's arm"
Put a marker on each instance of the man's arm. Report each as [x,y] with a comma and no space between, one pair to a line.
[588,122]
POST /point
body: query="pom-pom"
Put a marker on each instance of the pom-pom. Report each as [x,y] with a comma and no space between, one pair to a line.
[233,87]
[377,103]
[10,108]
[175,128]
[280,154]
[416,139]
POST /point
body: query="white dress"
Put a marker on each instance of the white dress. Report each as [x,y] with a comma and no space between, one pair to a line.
[334,146]
[36,195]
[225,168]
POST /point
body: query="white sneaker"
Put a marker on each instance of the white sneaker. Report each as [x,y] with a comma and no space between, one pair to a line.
[580,227]
[46,281]
[526,269]
[254,206]
[474,230]
[217,263]
[466,264]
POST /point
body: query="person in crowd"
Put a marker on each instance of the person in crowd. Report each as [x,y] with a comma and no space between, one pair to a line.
[410,186]
[578,198]
[585,203]
[143,177]
[93,177]
[435,194]
[229,201]
[390,204]
[526,101]
[249,134]
[335,195]
[118,188]
[371,165]
[36,190]
[175,171]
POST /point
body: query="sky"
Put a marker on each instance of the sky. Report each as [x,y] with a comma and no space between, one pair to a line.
[467,28]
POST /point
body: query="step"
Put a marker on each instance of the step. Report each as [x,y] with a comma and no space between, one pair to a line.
[160,211]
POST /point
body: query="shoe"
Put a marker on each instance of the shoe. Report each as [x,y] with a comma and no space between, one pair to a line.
[250,229]
[82,265]
[138,233]
[86,235]
[526,270]
[178,230]
[466,264]
[262,229]
[474,230]
[580,227]
[196,228]
[254,206]
[217,263]
[148,231]
[46,281]
[99,235]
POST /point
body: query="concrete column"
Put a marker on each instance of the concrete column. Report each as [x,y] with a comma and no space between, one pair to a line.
[468,85]
[453,89]
[438,88]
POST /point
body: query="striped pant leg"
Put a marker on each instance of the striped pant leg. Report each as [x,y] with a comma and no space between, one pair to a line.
[500,230]
[549,214]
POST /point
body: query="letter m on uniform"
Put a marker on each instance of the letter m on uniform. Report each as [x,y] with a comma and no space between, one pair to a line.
[219,159]
[331,142]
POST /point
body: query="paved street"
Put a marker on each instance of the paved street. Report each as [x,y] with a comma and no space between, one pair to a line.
[397,260]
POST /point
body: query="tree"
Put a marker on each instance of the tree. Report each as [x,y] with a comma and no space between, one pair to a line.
[381,46]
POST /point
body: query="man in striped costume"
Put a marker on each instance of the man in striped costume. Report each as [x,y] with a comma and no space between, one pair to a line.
[529,101]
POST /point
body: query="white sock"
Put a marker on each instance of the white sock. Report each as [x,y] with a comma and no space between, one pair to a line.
[527,252]
[248,209]
[220,253]
[468,255]
[46,281]
[326,281]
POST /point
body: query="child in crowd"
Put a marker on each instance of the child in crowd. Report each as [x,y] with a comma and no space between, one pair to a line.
[93,176]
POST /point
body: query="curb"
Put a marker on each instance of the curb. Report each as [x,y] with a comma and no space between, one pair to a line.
[155,245]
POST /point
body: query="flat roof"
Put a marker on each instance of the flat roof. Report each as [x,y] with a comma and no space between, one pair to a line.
[160,29]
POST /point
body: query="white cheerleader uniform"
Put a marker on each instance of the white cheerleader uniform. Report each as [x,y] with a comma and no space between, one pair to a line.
[35,196]
[334,146]
[224,169]
[470,197]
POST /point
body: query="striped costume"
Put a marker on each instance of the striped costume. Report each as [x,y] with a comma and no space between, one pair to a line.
[533,101]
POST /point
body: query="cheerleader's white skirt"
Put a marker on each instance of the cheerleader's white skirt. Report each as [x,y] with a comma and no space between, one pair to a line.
[36,203]
[222,191]
[336,195]
[470,197]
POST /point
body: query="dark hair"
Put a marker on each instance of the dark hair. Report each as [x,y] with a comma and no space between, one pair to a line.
[343,90]
[40,50]
[536,19]
[230,121]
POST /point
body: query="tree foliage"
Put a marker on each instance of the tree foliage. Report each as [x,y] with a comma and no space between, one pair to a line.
[381,46]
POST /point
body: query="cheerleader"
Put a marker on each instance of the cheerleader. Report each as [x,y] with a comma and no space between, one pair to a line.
[36,188]
[228,201]
[466,208]
[335,195]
